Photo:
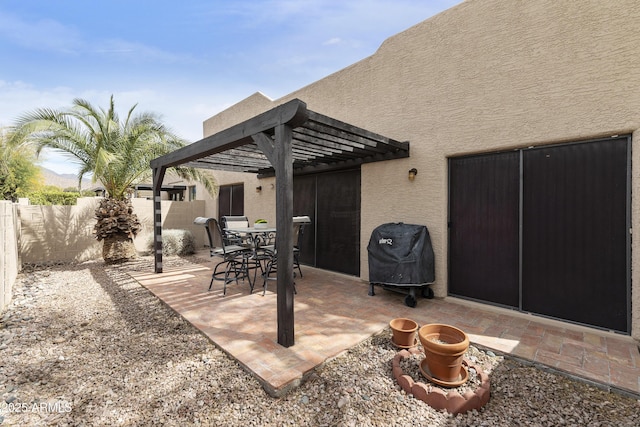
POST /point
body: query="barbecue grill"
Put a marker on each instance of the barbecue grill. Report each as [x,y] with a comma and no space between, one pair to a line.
[401,259]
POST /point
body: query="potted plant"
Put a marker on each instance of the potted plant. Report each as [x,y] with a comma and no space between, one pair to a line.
[404,332]
[261,223]
[444,347]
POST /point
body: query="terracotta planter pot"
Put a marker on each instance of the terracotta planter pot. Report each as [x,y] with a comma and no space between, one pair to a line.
[404,332]
[444,346]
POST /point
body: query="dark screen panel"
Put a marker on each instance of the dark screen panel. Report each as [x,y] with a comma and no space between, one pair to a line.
[237,199]
[575,233]
[304,203]
[484,228]
[224,201]
[338,222]
[230,200]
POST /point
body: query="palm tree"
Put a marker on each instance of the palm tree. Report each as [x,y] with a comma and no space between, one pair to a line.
[116,153]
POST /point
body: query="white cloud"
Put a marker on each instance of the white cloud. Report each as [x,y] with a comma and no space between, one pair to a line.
[54,37]
[42,35]
[182,108]
[19,97]
[138,52]
[334,40]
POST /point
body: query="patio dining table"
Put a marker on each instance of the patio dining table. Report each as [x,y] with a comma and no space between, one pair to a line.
[261,241]
[257,237]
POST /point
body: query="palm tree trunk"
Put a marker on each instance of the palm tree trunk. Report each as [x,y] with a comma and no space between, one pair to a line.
[118,248]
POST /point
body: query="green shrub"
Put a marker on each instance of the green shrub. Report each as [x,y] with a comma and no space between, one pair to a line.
[175,242]
[52,197]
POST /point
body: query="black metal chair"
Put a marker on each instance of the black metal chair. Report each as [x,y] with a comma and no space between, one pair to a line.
[255,261]
[228,223]
[299,222]
[298,232]
[234,257]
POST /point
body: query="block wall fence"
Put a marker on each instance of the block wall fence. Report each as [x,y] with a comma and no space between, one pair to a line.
[65,233]
[9,256]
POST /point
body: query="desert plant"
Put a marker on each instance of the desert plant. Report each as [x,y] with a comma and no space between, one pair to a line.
[51,197]
[174,242]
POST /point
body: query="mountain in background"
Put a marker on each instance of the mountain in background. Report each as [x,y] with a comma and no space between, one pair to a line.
[65,180]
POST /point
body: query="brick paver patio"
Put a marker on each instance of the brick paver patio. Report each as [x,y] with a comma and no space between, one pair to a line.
[334,312]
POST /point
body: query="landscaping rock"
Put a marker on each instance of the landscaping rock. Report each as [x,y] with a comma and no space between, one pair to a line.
[110,353]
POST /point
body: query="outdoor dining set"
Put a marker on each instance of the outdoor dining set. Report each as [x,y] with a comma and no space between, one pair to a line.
[247,252]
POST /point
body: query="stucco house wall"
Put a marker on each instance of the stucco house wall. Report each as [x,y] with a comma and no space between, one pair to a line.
[483,76]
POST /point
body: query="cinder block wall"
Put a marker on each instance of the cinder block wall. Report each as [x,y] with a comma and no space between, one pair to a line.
[65,233]
[175,215]
[59,233]
[9,259]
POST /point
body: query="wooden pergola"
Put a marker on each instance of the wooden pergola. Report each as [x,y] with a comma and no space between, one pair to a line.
[284,141]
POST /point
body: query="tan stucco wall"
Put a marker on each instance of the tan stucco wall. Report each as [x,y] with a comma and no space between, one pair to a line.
[483,76]
[175,215]
[9,258]
[59,233]
[65,233]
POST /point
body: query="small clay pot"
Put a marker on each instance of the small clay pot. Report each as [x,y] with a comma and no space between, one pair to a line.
[404,332]
[444,347]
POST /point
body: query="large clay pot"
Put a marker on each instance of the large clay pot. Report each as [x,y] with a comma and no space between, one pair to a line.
[444,346]
[404,332]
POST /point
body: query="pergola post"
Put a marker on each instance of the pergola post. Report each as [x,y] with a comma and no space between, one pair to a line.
[284,238]
[158,176]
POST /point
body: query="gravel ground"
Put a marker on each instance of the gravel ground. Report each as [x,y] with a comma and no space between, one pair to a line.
[84,344]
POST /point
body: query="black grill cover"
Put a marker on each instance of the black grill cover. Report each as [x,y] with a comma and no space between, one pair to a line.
[401,254]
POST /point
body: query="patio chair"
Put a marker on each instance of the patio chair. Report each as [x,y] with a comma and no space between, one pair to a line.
[299,222]
[234,257]
[254,261]
[229,223]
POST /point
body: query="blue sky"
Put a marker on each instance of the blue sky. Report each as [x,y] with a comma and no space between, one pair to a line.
[183,60]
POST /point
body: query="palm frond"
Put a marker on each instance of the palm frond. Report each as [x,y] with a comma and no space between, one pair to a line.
[117,153]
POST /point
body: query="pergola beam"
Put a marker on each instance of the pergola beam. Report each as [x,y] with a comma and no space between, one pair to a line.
[318,141]
[293,113]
